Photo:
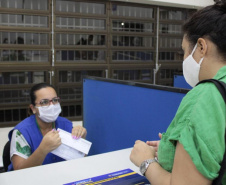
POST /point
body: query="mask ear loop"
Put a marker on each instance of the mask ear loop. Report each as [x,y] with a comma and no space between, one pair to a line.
[200,62]
[194,49]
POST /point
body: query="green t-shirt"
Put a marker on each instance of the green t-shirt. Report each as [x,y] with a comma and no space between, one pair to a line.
[199,125]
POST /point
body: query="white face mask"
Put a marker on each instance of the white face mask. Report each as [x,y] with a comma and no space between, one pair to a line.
[49,114]
[191,69]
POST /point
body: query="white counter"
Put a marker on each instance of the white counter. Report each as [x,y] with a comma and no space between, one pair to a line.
[69,171]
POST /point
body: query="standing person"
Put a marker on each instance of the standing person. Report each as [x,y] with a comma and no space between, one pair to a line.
[191,150]
[34,138]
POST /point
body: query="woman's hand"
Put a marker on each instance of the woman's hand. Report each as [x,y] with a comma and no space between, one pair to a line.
[141,152]
[50,141]
[78,132]
[155,144]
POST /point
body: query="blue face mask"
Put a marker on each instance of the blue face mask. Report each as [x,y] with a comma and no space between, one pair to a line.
[191,69]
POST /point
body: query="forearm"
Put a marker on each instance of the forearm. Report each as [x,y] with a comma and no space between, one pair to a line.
[36,159]
[157,175]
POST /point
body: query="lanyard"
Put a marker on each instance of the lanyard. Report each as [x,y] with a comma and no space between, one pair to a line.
[53,125]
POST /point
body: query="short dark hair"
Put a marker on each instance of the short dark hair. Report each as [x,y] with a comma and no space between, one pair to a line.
[35,88]
[209,22]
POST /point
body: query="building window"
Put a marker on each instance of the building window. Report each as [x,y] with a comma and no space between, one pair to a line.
[132,26]
[70,93]
[29,77]
[76,76]
[132,41]
[136,75]
[80,55]
[131,56]
[24,55]
[23,20]
[14,96]
[132,11]
[80,39]
[26,38]
[80,23]
[168,73]
[30,5]
[165,14]
[171,56]
[12,115]
[71,111]
[80,7]
[173,42]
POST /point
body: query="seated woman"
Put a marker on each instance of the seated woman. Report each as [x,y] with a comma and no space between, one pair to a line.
[34,138]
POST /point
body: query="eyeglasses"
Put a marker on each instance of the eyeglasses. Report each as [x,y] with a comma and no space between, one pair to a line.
[46,102]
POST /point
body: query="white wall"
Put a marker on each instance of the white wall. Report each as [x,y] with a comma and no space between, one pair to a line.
[174,3]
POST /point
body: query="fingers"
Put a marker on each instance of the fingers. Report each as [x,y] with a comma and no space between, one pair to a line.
[152,143]
[160,135]
[78,132]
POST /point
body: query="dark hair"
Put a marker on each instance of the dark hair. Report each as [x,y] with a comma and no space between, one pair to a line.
[209,22]
[36,88]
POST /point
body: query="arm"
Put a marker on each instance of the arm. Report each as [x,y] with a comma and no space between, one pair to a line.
[184,171]
[49,142]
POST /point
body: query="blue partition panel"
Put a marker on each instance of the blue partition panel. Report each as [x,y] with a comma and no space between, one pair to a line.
[179,81]
[116,113]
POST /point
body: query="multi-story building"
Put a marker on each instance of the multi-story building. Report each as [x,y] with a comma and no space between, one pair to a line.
[60,41]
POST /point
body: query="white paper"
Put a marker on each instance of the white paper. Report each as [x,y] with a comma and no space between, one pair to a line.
[67,153]
[71,148]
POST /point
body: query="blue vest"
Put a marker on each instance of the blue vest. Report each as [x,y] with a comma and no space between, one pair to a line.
[33,136]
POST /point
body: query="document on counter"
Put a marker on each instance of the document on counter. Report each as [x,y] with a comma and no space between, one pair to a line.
[71,148]
[122,177]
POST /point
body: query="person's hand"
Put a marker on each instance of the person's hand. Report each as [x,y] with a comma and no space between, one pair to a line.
[141,151]
[78,132]
[50,141]
[155,144]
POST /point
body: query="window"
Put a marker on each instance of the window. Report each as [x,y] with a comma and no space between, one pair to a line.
[28,77]
[132,11]
[20,4]
[76,76]
[23,20]
[132,75]
[80,7]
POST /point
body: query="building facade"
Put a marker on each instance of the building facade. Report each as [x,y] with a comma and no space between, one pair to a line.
[60,41]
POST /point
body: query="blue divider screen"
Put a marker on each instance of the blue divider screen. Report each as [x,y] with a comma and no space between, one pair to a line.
[116,113]
[179,81]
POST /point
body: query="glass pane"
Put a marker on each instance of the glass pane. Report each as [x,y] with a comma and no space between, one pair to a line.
[76,76]
[130,11]
[80,7]
[5,38]
[142,56]
[173,14]
[79,23]
[132,74]
[170,29]
[43,4]
[130,26]
[132,41]
[70,93]
[12,96]
[81,55]
[22,77]
[24,55]
[23,20]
